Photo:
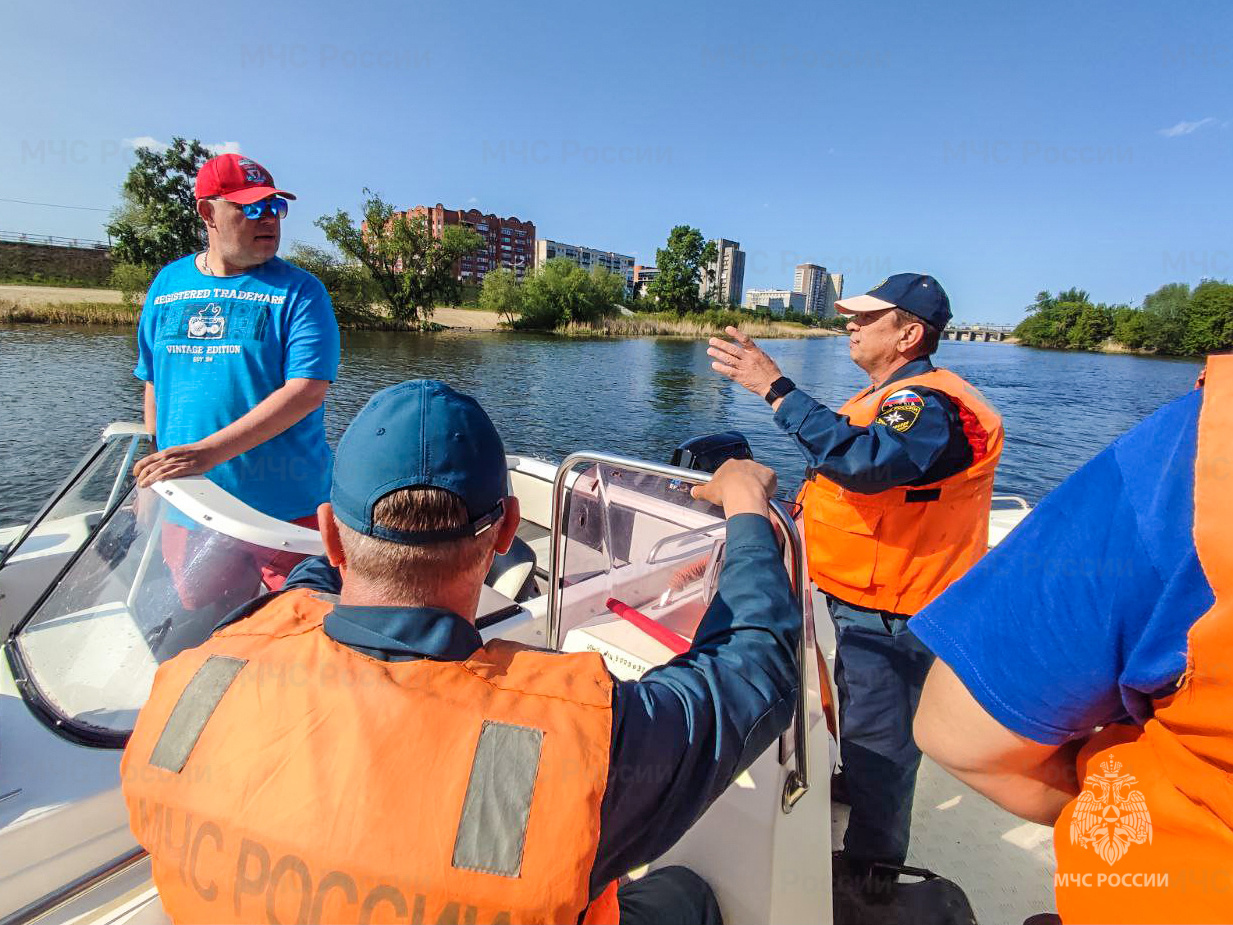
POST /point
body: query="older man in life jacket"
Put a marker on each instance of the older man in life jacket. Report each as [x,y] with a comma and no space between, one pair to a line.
[350,750]
[1085,671]
[895,508]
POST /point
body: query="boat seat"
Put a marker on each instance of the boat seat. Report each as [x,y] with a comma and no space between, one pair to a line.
[513,572]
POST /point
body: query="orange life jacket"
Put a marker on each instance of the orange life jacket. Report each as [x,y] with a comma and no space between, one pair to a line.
[897,550]
[1150,837]
[277,775]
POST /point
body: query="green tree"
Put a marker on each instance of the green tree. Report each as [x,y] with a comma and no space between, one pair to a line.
[681,264]
[1167,316]
[351,289]
[1091,327]
[609,289]
[561,292]
[501,293]
[412,268]
[1130,327]
[132,279]
[157,221]
[1210,324]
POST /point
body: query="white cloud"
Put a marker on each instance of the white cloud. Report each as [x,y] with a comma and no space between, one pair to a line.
[145,141]
[1185,128]
[472,201]
[153,144]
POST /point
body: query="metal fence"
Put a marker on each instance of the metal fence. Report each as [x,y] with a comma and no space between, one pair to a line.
[53,240]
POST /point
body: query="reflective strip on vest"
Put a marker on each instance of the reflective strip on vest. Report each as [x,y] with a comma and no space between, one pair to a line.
[1150,836]
[494,819]
[326,786]
[193,710]
[898,549]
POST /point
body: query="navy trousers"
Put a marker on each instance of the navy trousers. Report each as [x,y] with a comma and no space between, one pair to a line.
[880,668]
[669,896]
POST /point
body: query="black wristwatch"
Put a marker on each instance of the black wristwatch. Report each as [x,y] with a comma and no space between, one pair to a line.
[779,388]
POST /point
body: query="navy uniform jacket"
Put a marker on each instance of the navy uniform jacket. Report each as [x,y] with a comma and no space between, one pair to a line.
[879,457]
[682,733]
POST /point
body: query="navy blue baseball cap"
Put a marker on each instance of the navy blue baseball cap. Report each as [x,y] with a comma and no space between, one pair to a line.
[420,434]
[920,295]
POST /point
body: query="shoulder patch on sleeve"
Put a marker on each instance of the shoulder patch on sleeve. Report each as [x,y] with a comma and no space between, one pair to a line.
[900,410]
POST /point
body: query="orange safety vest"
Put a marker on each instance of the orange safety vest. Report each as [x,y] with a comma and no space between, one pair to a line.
[1150,837]
[277,775]
[897,550]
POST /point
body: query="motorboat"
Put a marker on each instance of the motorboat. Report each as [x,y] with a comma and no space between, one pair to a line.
[613,555]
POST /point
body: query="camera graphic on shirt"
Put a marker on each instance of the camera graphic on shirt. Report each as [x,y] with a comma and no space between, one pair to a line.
[207,324]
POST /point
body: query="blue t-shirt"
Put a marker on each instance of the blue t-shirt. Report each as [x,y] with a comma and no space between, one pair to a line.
[215,347]
[1081,615]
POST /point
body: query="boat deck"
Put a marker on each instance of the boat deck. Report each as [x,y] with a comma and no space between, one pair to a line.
[1004,864]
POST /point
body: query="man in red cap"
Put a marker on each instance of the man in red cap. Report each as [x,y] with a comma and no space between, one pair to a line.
[237,349]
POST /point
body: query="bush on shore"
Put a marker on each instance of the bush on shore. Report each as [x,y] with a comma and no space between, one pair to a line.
[1173,320]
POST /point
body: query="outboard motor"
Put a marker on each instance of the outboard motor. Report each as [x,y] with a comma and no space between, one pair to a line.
[707,453]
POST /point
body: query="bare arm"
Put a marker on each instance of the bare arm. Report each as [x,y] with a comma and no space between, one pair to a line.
[149,410]
[1029,779]
[278,411]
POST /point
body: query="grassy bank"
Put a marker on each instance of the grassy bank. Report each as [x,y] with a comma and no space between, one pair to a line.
[69,313]
[654,325]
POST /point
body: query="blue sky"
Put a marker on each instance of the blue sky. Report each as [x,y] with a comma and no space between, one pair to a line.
[1003,148]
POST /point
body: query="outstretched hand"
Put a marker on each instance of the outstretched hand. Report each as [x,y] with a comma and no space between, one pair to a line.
[742,486]
[743,361]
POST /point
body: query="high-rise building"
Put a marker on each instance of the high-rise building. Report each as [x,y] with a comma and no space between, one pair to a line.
[776,301]
[508,242]
[724,279]
[811,280]
[834,292]
[586,257]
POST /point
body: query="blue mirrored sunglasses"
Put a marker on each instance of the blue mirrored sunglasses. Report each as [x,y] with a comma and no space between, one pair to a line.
[277,207]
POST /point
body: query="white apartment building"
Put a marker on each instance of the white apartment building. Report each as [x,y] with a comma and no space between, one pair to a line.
[586,257]
[724,280]
[834,292]
[776,301]
[811,281]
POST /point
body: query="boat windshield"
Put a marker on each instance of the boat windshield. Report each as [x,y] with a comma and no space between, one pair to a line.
[639,559]
[155,579]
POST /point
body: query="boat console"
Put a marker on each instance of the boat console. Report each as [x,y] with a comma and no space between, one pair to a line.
[109,581]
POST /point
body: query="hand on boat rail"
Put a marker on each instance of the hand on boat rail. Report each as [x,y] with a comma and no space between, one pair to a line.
[740,486]
[175,462]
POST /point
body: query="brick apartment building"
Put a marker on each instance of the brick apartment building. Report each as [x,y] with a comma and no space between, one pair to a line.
[509,243]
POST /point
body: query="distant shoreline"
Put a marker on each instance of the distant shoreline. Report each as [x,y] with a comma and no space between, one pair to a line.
[44,305]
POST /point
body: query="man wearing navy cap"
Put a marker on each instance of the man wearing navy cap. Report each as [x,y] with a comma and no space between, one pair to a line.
[350,749]
[237,349]
[895,508]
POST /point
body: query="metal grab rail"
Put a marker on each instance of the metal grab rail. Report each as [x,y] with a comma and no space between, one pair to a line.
[796,784]
[1016,499]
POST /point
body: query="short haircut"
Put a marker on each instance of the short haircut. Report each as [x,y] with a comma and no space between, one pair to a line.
[929,340]
[397,571]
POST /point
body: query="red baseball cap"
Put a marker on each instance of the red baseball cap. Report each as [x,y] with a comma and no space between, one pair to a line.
[237,179]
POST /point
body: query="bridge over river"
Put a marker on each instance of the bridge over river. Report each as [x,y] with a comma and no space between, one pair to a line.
[978,332]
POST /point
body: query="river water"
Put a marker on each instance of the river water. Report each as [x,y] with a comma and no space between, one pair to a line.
[551,396]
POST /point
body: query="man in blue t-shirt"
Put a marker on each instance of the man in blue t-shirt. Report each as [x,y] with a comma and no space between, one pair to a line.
[1078,620]
[237,349]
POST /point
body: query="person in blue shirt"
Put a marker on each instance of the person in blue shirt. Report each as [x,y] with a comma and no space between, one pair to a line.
[237,349]
[407,564]
[1095,594]
[895,507]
